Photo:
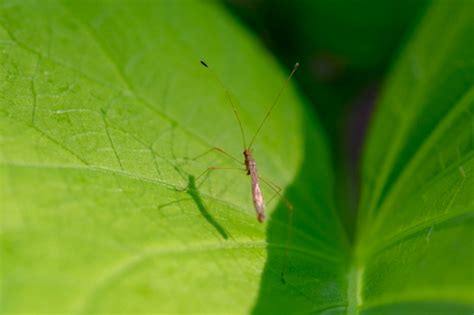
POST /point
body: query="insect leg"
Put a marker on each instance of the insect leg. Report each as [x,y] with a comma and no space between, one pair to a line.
[277,189]
[220,151]
[213,168]
[172,202]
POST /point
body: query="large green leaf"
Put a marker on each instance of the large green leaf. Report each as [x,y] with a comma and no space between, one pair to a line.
[415,242]
[102,104]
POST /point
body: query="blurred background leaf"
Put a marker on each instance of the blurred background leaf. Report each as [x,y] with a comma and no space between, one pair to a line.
[413,251]
[415,241]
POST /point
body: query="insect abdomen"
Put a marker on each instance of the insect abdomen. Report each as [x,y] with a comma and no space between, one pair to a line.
[257,196]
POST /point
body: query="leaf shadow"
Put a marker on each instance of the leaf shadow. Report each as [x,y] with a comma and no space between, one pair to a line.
[191,188]
[193,192]
[306,271]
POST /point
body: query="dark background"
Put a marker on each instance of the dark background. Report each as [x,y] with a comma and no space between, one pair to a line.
[346,49]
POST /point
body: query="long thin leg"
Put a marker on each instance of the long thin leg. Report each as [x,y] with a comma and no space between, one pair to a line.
[172,202]
[213,168]
[277,189]
[288,241]
[218,150]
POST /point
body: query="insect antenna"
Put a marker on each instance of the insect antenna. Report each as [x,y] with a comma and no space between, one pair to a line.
[234,109]
[283,87]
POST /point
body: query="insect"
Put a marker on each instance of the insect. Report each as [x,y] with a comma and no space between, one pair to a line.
[249,161]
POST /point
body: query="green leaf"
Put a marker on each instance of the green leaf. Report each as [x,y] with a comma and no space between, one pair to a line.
[102,105]
[415,248]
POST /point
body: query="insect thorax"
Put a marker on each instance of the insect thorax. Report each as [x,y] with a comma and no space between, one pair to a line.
[250,163]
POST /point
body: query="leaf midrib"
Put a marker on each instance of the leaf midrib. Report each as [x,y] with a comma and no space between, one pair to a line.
[459,107]
[233,207]
[423,296]
[400,137]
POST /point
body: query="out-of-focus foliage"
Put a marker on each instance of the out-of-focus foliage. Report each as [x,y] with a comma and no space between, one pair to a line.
[345,46]
[415,243]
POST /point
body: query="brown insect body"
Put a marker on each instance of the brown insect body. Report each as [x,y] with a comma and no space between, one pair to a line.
[250,164]
[257,196]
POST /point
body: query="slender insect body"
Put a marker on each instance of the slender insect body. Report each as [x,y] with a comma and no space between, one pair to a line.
[257,195]
[249,160]
[250,164]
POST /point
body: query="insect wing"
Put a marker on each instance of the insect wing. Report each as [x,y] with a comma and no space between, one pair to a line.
[258,201]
